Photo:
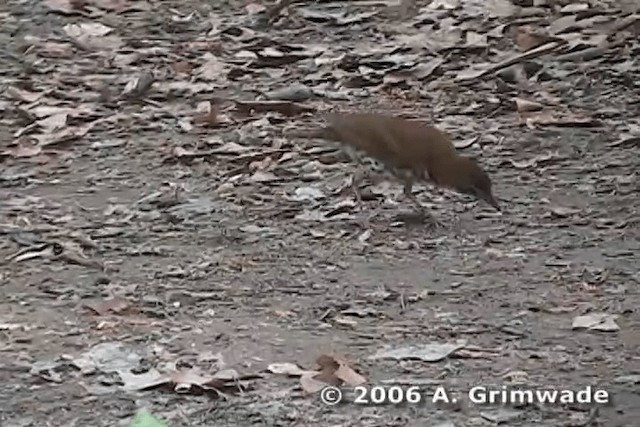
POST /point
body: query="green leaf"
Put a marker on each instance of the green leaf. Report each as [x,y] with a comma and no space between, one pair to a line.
[145,419]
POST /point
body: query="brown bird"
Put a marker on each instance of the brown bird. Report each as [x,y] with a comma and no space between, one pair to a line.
[412,151]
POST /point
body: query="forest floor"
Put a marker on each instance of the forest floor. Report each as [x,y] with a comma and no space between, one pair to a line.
[166,246]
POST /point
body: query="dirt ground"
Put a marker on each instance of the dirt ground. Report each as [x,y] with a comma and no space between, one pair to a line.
[171,226]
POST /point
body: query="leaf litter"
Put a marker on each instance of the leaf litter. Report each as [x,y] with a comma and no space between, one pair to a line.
[147,149]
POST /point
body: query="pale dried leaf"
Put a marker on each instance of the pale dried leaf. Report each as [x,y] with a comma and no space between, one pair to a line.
[432,352]
[596,321]
[309,384]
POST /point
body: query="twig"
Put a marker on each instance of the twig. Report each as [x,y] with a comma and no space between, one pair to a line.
[530,54]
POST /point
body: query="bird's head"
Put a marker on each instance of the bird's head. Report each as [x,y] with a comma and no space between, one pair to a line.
[471,179]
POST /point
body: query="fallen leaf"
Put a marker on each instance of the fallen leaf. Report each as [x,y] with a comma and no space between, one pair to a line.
[138,86]
[502,415]
[528,38]
[206,114]
[563,212]
[23,95]
[516,377]
[307,193]
[255,8]
[335,371]
[431,352]
[213,69]
[264,177]
[294,93]
[107,357]
[185,379]
[596,322]
[142,381]
[54,122]
[24,148]
[283,107]
[93,36]
[116,305]
[523,105]
[628,379]
[287,369]
[87,29]
[309,384]
[182,67]
[547,118]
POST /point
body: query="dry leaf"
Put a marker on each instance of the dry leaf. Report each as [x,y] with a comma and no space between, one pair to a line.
[87,29]
[430,352]
[206,114]
[116,305]
[25,148]
[523,105]
[54,122]
[213,69]
[283,107]
[23,95]
[548,118]
[335,371]
[255,8]
[287,369]
[138,86]
[529,38]
[311,385]
[182,67]
[596,321]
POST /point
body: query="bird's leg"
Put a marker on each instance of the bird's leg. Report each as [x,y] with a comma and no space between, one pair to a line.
[358,175]
[422,211]
[356,179]
[408,193]
[408,180]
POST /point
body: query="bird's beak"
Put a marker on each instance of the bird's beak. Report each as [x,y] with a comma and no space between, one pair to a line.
[488,197]
[495,204]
